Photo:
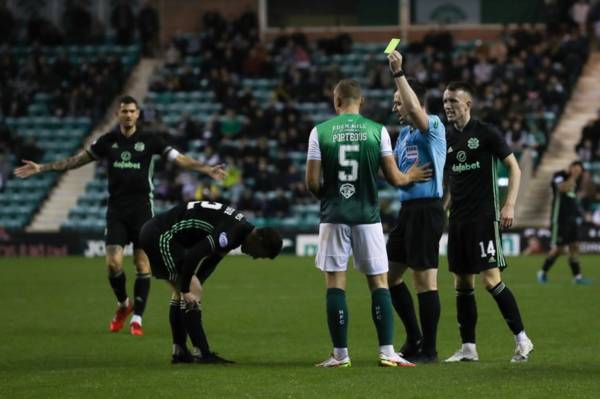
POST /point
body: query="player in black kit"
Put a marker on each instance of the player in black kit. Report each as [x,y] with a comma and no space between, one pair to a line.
[185,245]
[130,154]
[566,218]
[474,242]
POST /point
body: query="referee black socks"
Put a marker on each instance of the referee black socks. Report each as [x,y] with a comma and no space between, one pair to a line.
[117,282]
[141,288]
[429,313]
[466,314]
[508,307]
[403,304]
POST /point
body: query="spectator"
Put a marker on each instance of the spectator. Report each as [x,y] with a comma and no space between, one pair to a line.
[7,24]
[123,22]
[77,22]
[149,28]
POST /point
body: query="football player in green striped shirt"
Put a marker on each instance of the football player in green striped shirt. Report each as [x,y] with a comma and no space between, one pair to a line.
[345,154]
[474,240]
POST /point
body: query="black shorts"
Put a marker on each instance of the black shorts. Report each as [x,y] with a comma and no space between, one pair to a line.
[166,255]
[415,241]
[564,232]
[475,245]
[123,224]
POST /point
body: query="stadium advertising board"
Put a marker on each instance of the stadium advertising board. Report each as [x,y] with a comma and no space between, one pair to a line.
[519,242]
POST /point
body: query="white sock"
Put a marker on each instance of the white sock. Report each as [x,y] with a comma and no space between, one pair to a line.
[387,350]
[521,337]
[340,353]
[136,319]
[469,347]
[124,304]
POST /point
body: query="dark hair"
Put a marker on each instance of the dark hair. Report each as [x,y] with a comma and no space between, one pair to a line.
[461,85]
[270,240]
[348,89]
[418,88]
[128,100]
[578,163]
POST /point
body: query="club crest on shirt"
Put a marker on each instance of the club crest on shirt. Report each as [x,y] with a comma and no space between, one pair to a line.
[139,146]
[473,143]
[223,241]
[347,190]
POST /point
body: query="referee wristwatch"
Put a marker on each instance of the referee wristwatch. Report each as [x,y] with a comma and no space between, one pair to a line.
[399,73]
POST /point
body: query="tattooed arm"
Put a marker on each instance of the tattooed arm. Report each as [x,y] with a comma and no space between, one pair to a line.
[31,168]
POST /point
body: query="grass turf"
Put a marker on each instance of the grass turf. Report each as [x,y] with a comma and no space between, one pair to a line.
[270,318]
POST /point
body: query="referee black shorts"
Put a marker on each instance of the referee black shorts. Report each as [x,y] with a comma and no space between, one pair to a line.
[564,232]
[475,245]
[415,241]
[124,223]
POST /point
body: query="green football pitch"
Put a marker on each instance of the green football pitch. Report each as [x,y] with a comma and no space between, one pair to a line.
[269,316]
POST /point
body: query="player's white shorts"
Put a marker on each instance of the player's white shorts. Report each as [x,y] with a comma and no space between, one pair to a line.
[337,242]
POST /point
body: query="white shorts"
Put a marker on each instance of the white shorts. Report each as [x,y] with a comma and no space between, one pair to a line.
[337,242]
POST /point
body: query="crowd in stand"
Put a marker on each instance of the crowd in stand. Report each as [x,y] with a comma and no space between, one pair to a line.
[79,26]
[74,89]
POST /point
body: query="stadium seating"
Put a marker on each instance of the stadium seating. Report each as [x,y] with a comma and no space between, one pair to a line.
[58,137]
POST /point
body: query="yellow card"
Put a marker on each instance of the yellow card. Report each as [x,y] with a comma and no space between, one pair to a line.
[392,46]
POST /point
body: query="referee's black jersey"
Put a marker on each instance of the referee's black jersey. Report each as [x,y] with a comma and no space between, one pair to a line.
[471,165]
[130,163]
[565,205]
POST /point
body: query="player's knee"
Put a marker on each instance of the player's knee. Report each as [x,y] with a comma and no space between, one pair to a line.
[114,266]
[490,281]
[573,259]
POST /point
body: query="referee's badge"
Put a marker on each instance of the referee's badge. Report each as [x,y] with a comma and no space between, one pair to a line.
[139,146]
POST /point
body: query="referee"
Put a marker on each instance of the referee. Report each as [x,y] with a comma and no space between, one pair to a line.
[414,242]
[130,154]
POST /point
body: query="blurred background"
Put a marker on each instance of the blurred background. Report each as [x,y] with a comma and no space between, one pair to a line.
[244,81]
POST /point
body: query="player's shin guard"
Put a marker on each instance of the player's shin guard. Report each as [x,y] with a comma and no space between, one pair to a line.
[337,317]
[192,316]
[429,313]
[117,282]
[466,314]
[383,317]
[575,266]
[177,324]
[508,307]
[141,288]
[548,263]
[403,304]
